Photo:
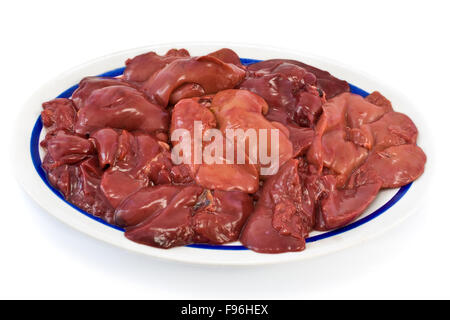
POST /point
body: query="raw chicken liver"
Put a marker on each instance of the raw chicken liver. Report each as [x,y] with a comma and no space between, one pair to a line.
[108,150]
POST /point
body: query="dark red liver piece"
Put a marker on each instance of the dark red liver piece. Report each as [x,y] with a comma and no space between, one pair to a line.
[378,99]
[118,186]
[222,217]
[59,114]
[195,215]
[227,177]
[142,67]
[172,227]
[145,204]
[289,96]
[242,109]
[120,107]
[227,56]
[106,142]
[80,185]
[187,90]
[294,91]
[89,84]
[133,161]
[396,166]
[393,129]
[337,207]
[209,72]
[282,217]
[67,148]
[325,81]
[343,138]
[301,138]
[260,236]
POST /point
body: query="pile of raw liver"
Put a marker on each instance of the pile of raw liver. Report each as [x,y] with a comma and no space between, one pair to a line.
[109,152]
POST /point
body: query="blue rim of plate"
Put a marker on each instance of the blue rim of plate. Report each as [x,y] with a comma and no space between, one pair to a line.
[35,156]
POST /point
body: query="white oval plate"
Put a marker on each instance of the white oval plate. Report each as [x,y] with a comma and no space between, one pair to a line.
[390,207]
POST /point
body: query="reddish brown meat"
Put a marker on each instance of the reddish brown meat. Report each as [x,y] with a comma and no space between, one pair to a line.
[337,207]
[107,150]
[89,84]
[340,143]
[281,219]
[187,90]
[223,215]
[325,81]
[289,88]
[210,73]
[184,115]
[120,107]
[225,176]
[230,109]
[242,109]
[144,204]
[143,66]
[106,142]
[171,227]
[133,161]
[195,215]
[67,148]
[290,98]
[134,157]
[396,166]
[80,185]
[58,114]
[392,129]
[378,99]
[227,56]
[117,185]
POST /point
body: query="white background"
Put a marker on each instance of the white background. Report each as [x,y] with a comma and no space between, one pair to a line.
[405,43]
